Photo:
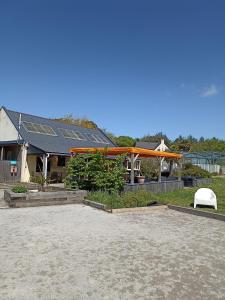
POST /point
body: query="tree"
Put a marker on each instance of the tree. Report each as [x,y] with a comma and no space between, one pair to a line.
[155,138]
[125,141]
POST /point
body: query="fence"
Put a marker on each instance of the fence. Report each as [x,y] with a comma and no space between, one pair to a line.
[5,171]
[156,187]
[210,168]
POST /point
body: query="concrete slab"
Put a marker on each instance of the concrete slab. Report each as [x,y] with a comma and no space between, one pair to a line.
[78,252]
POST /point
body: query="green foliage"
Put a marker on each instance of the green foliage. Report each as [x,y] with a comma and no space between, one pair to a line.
[191,144]
[39,179]
[213,144]
[19,189]
[95,172]
[83,122]
[194,171]
[138,198]
[125,141]
[155,138]
[150,168]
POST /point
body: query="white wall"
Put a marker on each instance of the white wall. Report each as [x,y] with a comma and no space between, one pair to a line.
[162,146]
[7,130]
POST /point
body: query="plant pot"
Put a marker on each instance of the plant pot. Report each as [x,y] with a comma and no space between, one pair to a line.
[141,179]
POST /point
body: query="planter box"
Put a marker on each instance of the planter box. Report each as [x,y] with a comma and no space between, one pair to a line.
[43,198]
[156,187]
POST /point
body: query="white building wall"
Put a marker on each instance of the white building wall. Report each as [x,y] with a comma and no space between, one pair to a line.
[7,130]
[162,146]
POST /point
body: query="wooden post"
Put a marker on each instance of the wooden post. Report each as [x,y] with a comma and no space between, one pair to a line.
[160,170]
[45,166]
[179,169]
[132,168]
[171,167]
[23,163]
[2,153]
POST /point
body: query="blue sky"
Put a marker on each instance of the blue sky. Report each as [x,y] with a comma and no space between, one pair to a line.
[134,67]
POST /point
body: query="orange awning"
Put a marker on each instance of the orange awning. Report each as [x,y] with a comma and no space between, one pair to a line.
[127,150]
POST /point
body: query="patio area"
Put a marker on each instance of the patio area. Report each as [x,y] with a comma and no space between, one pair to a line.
[77,252]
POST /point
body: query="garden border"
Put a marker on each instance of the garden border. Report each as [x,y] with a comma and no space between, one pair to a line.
[188,210]
[197,212]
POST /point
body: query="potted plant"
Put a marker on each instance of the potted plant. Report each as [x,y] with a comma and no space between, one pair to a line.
[141,179]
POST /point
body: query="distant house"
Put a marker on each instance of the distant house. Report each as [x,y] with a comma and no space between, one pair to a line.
[157,146]
[31,145]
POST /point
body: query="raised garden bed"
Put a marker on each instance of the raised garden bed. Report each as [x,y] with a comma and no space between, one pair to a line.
[43,198]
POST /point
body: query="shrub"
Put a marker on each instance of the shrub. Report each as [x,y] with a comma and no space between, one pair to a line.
[95,172]
[150,168]
[19,189]
[195,171]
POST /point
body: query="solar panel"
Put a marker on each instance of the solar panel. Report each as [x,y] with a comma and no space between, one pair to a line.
[71,134]
[96,138]
[38,128]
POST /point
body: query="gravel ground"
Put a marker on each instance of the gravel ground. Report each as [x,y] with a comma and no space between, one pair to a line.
[77,252]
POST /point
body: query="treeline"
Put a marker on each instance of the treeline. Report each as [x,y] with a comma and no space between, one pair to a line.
[181,143]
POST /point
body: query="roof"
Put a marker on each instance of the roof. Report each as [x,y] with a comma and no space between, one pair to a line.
[147,145]
[125,150]
[54,143]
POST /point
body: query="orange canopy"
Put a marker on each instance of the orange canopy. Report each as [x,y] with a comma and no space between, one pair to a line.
[127,150]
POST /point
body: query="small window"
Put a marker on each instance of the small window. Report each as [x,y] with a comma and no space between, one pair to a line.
[61,161]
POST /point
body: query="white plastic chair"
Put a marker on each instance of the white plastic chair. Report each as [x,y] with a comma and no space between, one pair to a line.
[205,196]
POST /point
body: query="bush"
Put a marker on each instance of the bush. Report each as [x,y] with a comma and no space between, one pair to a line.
[19,189]
[195,171]
[95,172]
[150,168]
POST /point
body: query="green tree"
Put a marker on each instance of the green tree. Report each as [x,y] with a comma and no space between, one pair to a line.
[155,138]
[125,141]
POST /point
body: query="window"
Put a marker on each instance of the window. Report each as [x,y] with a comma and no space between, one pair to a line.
[61,161]
[72,134]
[38,128]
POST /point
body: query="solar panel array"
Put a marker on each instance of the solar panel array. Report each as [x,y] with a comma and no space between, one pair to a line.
[71,134]
[67,133]
[39,128]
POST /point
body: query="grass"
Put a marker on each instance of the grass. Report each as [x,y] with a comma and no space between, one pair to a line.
[139,198]
[127,199]
[185,197]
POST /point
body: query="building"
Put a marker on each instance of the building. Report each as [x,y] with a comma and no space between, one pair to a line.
[156,146]
[32,145]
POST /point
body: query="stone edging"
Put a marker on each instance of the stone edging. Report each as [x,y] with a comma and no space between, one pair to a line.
[95,204]
[139,209]
[197,212]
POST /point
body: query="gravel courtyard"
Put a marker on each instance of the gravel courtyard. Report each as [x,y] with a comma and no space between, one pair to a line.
[77,252]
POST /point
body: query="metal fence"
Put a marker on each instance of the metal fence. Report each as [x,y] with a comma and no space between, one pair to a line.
[5,171]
